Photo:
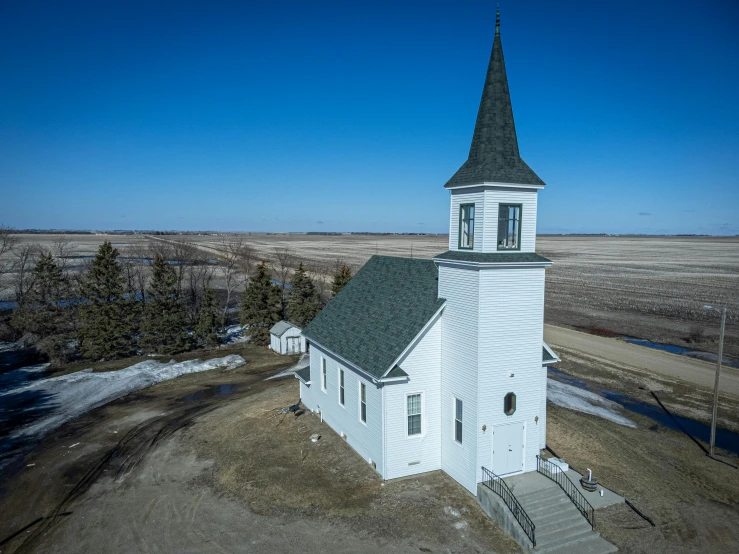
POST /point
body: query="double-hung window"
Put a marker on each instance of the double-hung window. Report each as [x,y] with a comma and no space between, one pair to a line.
[509,227]
[466,226]
[323,374]
[362,402]
[414,414]
[341,387]
[458,420]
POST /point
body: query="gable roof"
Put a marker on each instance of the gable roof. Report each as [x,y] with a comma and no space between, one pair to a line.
[280,327]
[494,156]
[379,312]
[547,355]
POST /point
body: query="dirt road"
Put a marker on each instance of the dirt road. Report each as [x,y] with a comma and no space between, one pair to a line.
[641,358]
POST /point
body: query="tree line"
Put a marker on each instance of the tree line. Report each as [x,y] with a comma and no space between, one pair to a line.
[160,298]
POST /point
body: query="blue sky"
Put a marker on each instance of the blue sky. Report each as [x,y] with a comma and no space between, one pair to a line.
[351,116]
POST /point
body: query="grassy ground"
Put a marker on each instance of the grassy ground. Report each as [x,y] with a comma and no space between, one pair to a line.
[267,460]
[691,498]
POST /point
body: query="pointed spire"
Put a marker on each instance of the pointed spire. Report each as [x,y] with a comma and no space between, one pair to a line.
[494,156]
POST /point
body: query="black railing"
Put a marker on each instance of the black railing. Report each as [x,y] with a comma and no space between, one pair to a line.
[496,484]
[548,469]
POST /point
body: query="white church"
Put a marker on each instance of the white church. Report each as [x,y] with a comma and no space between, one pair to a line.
[440,364]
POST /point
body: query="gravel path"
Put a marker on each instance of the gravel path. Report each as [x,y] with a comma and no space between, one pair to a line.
[641,358]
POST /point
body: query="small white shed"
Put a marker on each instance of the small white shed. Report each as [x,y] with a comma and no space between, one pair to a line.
[286,338]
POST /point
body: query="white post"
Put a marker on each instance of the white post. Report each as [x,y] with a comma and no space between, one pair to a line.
[715,386]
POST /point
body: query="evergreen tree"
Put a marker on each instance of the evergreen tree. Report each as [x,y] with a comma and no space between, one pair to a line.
[209,319]
[165,323]
[261,305]
[41,310]
[342,275]
[106,316]
[303,303]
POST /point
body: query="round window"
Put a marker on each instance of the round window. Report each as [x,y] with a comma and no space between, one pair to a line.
[509,403]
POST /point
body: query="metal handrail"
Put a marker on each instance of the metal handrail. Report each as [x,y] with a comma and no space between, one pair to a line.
[548,469]
[496,484]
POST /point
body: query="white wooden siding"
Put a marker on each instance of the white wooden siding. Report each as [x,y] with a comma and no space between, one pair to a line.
[366,439]
[510,331]
[459,353]
[543,409]
[467,196]
[496,196]
[279,344]
[417,454]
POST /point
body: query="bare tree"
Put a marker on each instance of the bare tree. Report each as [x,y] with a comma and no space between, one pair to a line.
[62,249]
[285,259]
[322,273]
[237,259]
[8,241]
[24,259]
[179,254]
[136,268]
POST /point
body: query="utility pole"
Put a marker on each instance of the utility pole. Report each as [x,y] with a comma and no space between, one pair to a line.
[718,377]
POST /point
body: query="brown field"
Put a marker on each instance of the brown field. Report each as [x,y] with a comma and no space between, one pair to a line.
[648,287]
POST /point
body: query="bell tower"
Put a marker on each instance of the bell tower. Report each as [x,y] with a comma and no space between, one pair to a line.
[493,194]
[492,279]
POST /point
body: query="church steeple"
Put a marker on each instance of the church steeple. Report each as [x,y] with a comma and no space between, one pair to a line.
[494,156]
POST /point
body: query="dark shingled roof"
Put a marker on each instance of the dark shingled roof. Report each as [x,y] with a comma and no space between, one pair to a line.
[396,372]
[546,357]
[492,257]
[303,374]
[379,312]
[494,155]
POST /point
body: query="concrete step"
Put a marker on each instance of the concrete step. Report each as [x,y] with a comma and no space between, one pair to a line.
[592,545]
[564,530]
[543,525]
[565,539]
[558,506]
[548,501]
[535,495]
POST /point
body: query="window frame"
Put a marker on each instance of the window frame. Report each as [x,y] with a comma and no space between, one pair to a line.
[520,219]
[342,388]
[421,413]
[515,403]
[362,403]
[324,374]
[455,421]
[461,220]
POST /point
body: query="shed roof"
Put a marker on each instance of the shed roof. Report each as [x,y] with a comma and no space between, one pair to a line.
[304,375]
[379,312]
[279,328]
[547,355]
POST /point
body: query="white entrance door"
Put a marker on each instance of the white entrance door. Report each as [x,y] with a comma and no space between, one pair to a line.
[508,448]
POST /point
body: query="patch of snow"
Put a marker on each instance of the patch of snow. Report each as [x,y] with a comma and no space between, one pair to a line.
[19,376]
[448,510]
[460,525]
[234,334]
[574,398]
[76,393]
[8,346]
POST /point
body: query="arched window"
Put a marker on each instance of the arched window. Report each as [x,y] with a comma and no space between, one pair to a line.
[509,403]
